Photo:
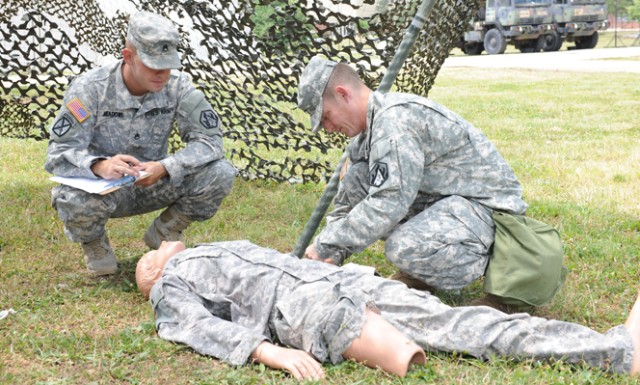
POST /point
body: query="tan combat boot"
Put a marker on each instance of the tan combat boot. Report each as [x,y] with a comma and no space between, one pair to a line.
[412,282]
[168,226]
[99,257]
[495,302]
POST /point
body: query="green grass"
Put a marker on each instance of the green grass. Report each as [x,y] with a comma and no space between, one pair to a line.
[632,58]
[572,140]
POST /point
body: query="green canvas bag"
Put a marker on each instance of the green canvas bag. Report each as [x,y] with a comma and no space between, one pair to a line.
[525,267]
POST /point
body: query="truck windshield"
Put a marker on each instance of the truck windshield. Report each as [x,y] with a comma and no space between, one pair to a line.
[525,3]
[582,2]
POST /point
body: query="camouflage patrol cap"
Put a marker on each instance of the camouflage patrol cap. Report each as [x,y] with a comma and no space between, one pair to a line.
[156,40]
[311,86]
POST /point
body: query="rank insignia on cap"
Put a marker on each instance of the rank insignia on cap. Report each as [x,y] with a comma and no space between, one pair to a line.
[78,110]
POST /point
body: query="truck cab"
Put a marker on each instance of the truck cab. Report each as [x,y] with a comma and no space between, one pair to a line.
[523,23]
[576,21]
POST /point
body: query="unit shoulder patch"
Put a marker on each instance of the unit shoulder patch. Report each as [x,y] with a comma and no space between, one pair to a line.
[378,174]
[209,119]
[61,126]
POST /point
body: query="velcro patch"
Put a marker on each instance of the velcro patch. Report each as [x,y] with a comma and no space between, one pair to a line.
[61,126]
[209,119]
[78,110]
[378,174]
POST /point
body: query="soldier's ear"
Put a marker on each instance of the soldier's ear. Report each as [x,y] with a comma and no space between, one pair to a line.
[127,54]
[343,93]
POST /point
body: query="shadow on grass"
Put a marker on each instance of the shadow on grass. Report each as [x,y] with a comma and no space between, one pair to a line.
[123,280]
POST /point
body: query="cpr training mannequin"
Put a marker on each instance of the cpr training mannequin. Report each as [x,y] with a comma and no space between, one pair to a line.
[369,347]
[234,300]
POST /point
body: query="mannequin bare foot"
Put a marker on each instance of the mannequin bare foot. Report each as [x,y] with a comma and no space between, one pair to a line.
[633,326]
[381,345]
[419,358]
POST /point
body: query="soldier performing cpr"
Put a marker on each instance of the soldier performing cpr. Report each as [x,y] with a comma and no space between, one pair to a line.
[417,175]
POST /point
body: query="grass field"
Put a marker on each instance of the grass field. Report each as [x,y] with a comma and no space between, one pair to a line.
[571,138]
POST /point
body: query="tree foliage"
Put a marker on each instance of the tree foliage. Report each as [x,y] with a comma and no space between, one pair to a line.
[624,8]
[273,18]
[634,10]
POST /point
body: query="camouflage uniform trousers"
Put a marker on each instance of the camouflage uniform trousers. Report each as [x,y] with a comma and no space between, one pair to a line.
[324,317]
[198,197]
[446,245]
[318,317]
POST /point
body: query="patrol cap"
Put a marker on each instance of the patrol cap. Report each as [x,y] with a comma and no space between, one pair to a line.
[156,40]
[311,86]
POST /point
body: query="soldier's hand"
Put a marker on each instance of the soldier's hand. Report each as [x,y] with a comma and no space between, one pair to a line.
[297,362]
[312,253]
[116,167]
[156,171]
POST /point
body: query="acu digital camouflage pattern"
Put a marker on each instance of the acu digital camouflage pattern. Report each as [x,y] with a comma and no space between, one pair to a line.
[198,198]
[111,122]
[117,122]
[206,298]
[155,40]
[430,180]
[250,77]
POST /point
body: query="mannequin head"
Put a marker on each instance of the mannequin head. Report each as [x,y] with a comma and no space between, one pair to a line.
[150,266]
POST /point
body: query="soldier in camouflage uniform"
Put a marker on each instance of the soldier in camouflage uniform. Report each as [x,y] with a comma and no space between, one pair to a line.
[417,175]
[235,300]
[116,120]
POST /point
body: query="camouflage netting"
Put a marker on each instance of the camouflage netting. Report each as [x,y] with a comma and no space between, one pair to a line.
[245,55]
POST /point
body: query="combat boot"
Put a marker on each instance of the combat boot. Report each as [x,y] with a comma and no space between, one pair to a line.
[168,226]
[99,257]
[412,282]
[495,302]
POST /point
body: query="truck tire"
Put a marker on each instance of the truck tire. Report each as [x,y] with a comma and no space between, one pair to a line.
[538,44]
[473,48]
[494,42]
[559,43]
[587,42]
[552,42]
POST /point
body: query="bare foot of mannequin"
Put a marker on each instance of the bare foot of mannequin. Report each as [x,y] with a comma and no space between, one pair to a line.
[381,345]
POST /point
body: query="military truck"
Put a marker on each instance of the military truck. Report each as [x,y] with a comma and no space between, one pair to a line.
[523,23]
[576,21]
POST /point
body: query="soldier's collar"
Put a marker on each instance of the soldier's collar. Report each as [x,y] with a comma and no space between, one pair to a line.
[124,100]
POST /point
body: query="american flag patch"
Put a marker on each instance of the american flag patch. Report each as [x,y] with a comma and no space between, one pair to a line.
[78,110]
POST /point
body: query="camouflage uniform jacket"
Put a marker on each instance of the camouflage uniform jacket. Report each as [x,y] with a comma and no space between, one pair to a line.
[218,299]
[418,152]
[99,118]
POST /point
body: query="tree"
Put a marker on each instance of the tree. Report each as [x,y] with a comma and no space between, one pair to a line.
[634,10]
[280,22]
[620,8]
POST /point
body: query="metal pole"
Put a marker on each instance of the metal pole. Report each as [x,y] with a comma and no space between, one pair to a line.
[403,51]
[615,30]
[318,213]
